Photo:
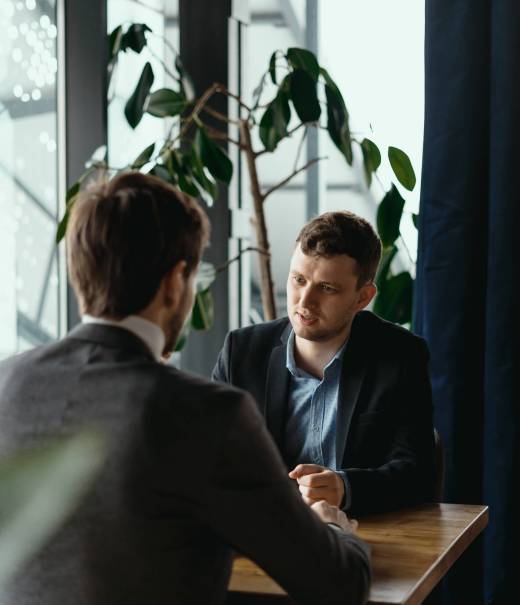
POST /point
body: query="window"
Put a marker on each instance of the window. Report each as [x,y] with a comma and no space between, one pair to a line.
[374,51]
[31,312]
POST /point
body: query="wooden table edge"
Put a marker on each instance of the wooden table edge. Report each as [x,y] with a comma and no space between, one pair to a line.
[440,567]
[418,592]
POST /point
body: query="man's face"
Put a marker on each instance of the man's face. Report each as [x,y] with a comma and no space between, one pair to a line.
[180,312]
[322,295]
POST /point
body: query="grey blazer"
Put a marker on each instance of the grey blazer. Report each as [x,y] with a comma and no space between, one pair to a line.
[192,474]
[384,409]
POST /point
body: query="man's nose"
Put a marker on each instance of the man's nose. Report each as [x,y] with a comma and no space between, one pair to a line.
[307,297]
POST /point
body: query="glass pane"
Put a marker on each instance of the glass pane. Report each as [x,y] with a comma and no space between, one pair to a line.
[29,297]
[374,51]
[161,16]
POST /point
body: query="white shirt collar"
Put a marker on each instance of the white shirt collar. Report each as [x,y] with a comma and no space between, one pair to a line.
[151,334]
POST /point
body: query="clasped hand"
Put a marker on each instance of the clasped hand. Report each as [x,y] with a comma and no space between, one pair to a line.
[317,482]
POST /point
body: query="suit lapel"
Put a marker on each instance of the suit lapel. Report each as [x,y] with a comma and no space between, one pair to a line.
[277,388]
[352,375]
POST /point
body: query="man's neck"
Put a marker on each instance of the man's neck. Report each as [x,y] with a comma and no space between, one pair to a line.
[313,356]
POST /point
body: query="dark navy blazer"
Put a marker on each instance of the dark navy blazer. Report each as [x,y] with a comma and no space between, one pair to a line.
[384,404]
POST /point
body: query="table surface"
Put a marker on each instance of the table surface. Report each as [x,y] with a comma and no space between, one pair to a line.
[412,549]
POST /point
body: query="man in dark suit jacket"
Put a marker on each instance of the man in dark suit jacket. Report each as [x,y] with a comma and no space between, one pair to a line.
[346,395]
[192,472]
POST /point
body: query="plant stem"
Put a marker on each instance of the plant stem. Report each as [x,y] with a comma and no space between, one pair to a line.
[235,258]
[266,284]
[300,146]
[219,116]
[222,136]
[292,175]
[163,64]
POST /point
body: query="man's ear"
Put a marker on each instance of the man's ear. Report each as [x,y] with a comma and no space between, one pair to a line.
[366,294]
[173,284]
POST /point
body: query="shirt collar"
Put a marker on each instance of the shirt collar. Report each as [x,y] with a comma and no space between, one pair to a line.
[150,333]
[290,362]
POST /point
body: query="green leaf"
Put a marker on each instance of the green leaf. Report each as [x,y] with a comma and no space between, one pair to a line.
[281,114]
[183,337]
[257,92]
[402,167]
[134,107]
[135,37]
[212,156]
[207,184]
[304,96]
[187,185]
[267,130]
[389,215]
[415,220]
[337,123]
[114,42]
[162,173]
[337,117]
[394,299]
[301,58]
[272,67]
[165,102]
[143,157]
[383,270]
[371,158]
[206,275]
[186,82]
[39,488]
[98,157]
[72,192]
[202,315]
[69,202]
[62,227]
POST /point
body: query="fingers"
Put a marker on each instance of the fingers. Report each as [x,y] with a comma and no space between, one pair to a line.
[316,493]
[305,469]
[354,524]
[324,478]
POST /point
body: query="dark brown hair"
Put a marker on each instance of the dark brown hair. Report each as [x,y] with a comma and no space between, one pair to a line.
[124,235]
[335,233]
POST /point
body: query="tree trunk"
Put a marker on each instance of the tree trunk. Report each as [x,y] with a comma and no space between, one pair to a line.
[264,257]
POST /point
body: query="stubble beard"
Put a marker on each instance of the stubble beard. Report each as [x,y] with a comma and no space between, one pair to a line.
[176,324]
[322,335]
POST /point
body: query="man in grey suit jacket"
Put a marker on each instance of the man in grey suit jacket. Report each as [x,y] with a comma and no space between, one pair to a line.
[346,395]
[192,473]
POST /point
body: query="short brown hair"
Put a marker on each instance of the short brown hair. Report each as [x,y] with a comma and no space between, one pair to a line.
[124,235]
[344,232]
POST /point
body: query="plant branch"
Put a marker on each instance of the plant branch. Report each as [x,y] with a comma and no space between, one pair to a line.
[412,262]
[291,176]
[300,146]
[293,130]
[235,258]
[166,43]
[206,96]
[223,90]
[289,133]
[222,136]
[163,64]
[219,116]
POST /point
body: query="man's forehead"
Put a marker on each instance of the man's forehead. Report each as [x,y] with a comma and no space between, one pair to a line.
[331,268]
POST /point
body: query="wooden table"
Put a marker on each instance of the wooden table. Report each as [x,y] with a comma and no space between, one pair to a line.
[412,550]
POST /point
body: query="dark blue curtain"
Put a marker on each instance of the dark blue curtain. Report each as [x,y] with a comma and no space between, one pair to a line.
[468,274]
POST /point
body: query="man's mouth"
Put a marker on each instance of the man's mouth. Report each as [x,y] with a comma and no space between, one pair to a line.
[306,320]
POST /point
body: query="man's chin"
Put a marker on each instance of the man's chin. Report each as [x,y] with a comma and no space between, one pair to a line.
[311,332]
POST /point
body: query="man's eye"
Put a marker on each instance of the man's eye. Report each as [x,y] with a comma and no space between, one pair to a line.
[298,279]
[328,289]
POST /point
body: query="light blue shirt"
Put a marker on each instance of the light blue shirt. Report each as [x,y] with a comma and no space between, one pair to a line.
[311,431]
